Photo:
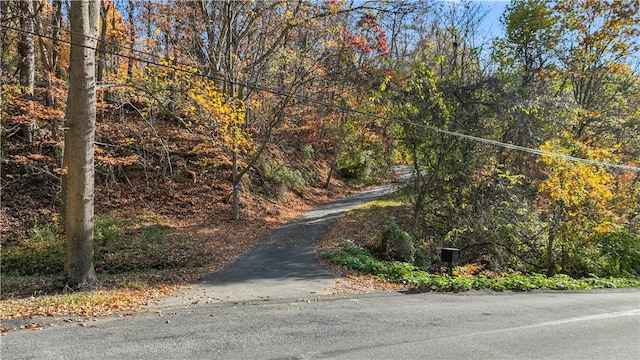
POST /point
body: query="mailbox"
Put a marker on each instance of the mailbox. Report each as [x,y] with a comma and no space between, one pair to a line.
[449,255]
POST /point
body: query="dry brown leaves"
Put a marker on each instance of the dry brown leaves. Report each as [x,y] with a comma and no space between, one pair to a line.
[193,204]
[85,304]
[200,224]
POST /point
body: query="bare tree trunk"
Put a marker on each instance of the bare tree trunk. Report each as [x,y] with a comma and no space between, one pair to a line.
[53,62]
[55,48]
[78,183]
[49,58]
[101,57]
[27,62]
[551,266]
[552,239]
[236,187]
[132,37]
[26,47]
[231,95]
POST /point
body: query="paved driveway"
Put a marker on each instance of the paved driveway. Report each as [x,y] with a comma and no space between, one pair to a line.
[284,264]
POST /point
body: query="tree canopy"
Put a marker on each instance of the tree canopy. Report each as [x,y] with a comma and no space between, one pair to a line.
[526,147]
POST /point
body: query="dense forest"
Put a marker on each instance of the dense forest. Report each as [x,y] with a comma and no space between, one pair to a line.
[525,147]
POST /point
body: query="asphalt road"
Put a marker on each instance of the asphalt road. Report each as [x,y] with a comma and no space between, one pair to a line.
[477,325]
[275,302]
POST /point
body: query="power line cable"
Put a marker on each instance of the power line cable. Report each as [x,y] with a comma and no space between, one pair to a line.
[67,30]
[304,99]
[106,51]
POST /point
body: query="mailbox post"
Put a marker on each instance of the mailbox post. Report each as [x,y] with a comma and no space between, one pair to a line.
[450,256]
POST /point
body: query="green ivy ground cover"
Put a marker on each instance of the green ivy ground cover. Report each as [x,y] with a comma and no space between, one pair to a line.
[408,274]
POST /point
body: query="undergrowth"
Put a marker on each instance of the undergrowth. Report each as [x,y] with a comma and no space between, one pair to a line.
[129,251]
[360,260]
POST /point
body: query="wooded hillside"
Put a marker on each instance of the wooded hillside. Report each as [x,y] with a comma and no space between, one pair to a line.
[526,147]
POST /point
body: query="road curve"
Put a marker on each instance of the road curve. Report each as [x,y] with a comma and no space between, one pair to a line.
[284,264]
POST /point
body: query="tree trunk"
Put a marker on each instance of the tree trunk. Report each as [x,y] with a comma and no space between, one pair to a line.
[54,69]
[551,266]
[26,47]
[49,58]
[27,61]
[236,187]
[101,57]
[55,43]
[231,96]
[132,37]
[555,223]
[78,183]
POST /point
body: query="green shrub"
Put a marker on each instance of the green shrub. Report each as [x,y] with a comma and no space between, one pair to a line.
[422,257]
[154,233]
[308,151]
[620,254]
[40,253]
[408,274]
[355,164]
[142,250]
[284,175]
[397,242]
[107,230]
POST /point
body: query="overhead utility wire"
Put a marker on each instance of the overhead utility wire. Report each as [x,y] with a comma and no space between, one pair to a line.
[106,51]
[69,31]
[304,99]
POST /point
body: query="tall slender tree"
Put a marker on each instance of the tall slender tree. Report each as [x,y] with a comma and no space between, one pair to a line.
[78,182]
[26,47]
[27,62]
[234,30]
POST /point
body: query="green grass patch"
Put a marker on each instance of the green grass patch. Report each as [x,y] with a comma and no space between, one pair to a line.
[118,247]
[40,252]
[397,198]
[360,260]
[137,252]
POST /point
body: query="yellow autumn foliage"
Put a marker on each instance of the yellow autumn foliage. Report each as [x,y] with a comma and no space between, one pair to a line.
[578,187]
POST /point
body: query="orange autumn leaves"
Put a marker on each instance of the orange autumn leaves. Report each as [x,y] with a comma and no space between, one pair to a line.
[89,304]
